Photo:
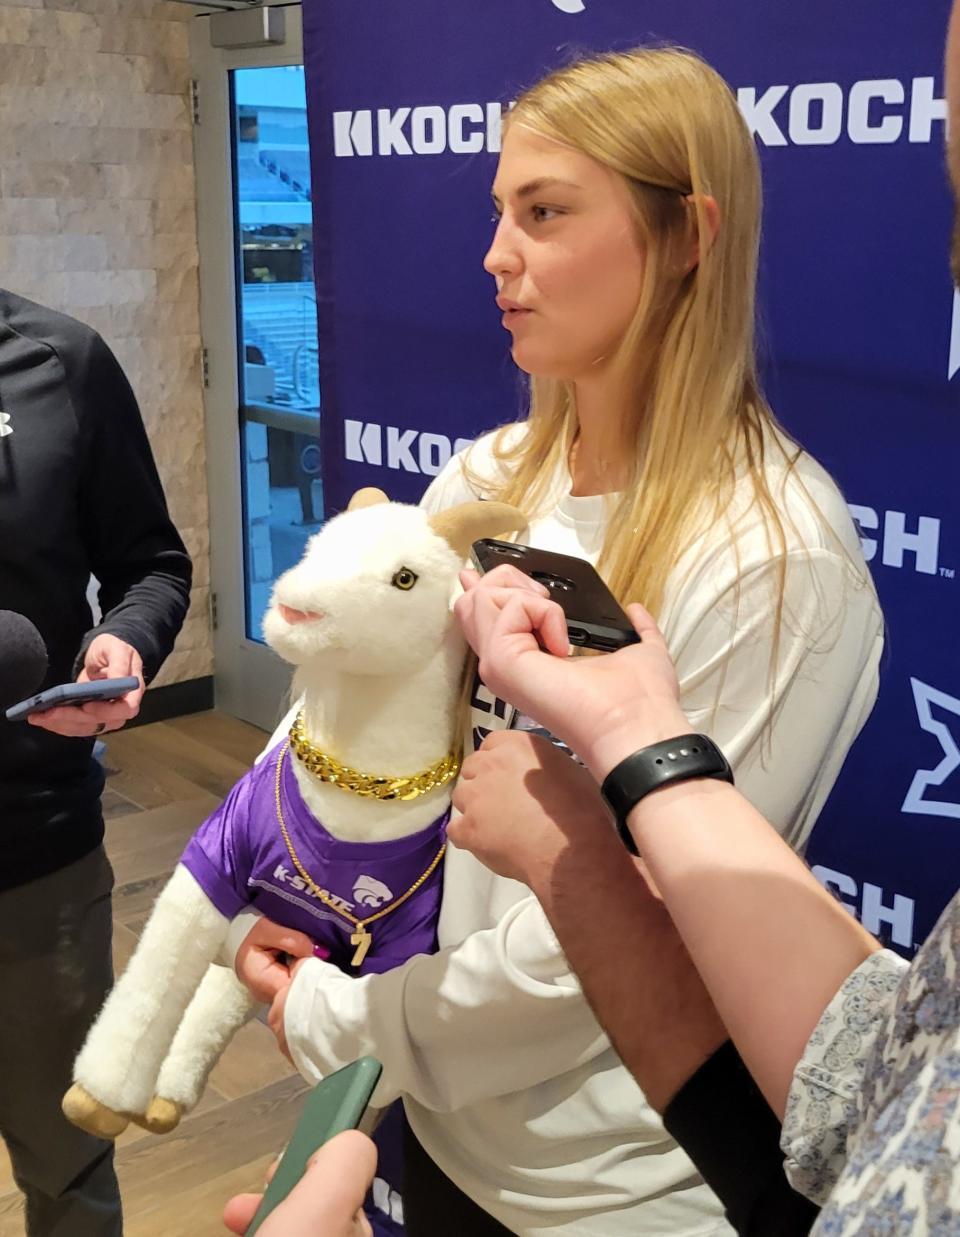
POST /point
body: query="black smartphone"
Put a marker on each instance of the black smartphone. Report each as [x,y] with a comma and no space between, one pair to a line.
[334,1105]
[595,619]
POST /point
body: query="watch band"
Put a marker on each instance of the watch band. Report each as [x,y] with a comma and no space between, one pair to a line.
[675,760]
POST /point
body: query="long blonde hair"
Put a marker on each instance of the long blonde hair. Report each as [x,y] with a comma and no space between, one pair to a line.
[693,414]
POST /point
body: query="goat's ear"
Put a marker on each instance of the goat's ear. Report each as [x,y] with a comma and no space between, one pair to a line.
[369,497]
[461,526]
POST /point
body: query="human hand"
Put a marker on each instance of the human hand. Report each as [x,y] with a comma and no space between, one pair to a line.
[553,803]
[258,965]
[604,707]
[106,658]
[327,1200]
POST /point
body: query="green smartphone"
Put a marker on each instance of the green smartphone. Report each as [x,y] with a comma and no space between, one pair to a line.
[334,1105]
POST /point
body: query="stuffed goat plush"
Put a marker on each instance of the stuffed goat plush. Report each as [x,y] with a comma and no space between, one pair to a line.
[353,859]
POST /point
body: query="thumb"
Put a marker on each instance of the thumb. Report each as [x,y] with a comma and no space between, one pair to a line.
[266,934]
[336,1182]
[297,944]
[95,660]
[645,626]
[239,1211]
[110,658]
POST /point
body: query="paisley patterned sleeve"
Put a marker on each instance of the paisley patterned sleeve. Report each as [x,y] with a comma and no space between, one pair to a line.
[822,1103]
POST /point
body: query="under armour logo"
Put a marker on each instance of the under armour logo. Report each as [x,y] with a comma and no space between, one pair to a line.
[917,800]
[569,6]
[5,427]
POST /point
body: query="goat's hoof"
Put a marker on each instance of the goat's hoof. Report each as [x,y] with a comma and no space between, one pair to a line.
[161,1116]
[89,1114]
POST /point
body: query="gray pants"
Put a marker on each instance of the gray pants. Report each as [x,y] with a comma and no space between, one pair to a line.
[55,970]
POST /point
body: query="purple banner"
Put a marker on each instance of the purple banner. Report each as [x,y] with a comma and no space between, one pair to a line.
[860,324]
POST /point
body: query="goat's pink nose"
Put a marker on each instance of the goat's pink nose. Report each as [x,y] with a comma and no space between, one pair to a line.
[298,616]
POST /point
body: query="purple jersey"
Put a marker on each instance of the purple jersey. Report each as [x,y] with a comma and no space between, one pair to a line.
[239,858]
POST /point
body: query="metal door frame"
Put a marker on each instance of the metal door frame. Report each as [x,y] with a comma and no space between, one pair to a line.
[250,682]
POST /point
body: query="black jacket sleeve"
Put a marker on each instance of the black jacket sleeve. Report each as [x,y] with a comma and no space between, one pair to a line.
[135,552]
[722,1121]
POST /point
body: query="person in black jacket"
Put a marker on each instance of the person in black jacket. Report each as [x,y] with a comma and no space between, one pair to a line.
[79,496]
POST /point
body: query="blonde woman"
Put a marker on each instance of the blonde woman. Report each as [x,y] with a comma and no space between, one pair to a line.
[625,253]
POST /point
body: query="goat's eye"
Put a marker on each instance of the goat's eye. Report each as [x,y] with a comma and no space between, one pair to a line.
[405,579]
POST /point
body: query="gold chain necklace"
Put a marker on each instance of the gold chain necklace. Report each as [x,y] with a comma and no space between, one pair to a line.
[362,938]
[369,785]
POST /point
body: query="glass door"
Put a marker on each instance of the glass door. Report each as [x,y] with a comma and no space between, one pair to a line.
[259,321]
[280,373]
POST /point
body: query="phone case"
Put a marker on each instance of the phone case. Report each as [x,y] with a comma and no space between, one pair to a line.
[71,693]
[595,619]
[334,1105]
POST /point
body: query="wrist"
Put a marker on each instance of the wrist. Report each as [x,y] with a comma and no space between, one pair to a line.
[652,769]
[571,839]
[537,870]
[628,731]
[663,807]
[592,848]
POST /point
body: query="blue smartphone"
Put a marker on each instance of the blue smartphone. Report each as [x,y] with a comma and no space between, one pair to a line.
[73,694]
[334,1105]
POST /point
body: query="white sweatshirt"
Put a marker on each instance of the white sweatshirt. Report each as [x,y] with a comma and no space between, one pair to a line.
[508,1081]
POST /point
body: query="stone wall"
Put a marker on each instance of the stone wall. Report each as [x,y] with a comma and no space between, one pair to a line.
[98,219]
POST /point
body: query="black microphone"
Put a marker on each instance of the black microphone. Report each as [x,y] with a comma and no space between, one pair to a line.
[23,658]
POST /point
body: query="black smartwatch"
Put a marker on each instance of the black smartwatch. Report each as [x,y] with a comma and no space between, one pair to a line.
[675,760]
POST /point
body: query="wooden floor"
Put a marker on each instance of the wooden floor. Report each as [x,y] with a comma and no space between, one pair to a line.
[163,779]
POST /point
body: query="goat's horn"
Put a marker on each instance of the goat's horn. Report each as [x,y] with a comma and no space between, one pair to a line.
[368,497]
[461,526]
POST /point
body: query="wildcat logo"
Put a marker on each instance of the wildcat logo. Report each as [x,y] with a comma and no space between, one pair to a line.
[371,892]
[917,800]
[569,6]
[6,429]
